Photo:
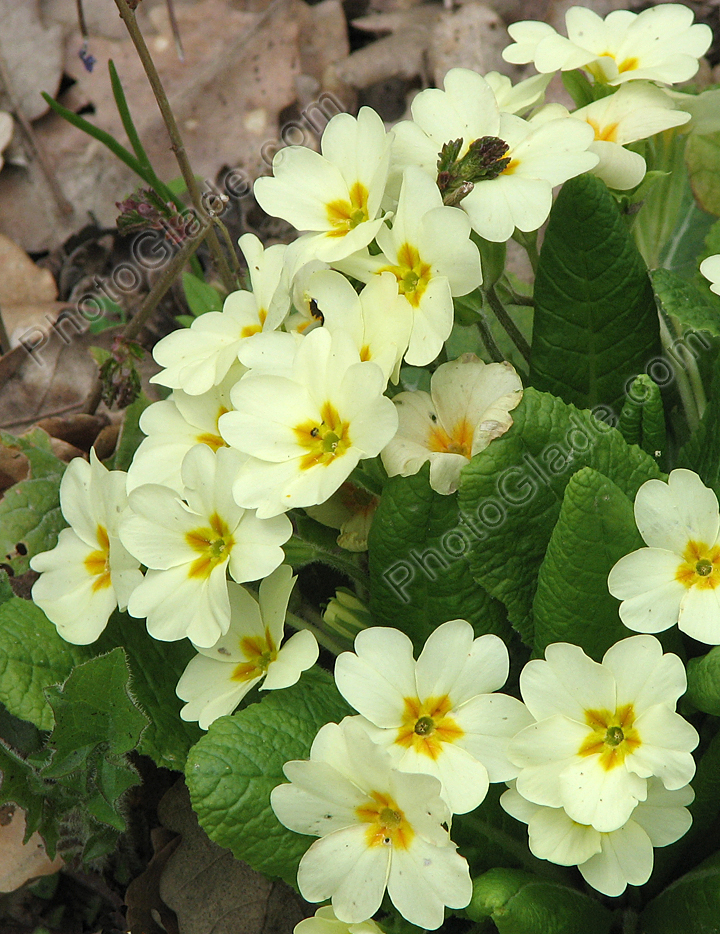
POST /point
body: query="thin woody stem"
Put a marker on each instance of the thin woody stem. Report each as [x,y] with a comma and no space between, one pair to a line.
[156,293]
[178,147]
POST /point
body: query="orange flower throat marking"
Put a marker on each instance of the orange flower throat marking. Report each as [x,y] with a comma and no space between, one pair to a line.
[260,651]
[324,440]
[701,567]
[214,545]
[97,563]
[346,215]
[412,274]
[459,441]
[387,825]
[613,736]
[426,725]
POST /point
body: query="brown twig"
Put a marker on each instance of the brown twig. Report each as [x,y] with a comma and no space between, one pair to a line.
[177,145]
[156,293]
[4,339]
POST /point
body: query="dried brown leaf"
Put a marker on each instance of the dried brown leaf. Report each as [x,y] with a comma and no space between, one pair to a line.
[32,53]
[213,893]
[20,861]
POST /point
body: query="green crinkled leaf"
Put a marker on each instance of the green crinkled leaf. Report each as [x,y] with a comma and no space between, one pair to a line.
[32,657]
[702,157]
[510,494]
[232,770]
[642,420]
[94,713]
[22,785]
[691,903]
[419,569]
[200,296]
[30,510]
[595,321]
[684,301]
[520,903]
[703,676]
[155,668]
[130,434]
[595,528]
[702,452]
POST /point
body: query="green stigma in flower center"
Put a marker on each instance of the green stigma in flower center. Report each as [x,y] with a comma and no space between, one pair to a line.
[217,547]
[330,442]
[389,818]
[703,568]
[614,736]
[410,280]
[424,726]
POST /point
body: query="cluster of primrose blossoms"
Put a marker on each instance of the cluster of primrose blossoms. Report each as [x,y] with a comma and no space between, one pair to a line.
[278,398]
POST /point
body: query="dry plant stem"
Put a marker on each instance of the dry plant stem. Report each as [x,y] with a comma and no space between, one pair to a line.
[63,205]
[174,268]
[178,147]
[507,323]
[94,399]
[4,339]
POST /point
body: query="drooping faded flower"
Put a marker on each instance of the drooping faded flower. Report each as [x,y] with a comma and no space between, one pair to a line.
[468,405]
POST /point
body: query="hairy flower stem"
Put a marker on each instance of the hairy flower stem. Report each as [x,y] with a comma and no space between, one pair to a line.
[323,638]
[696,383]
[178,147]
[528,241]
[540,867]
[507,323]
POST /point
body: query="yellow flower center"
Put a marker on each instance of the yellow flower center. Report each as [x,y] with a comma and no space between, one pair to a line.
[612,736]
[701,567]
[214,545]
[260,651]
[324,440]
[345,216]
[608,133]
[387,825]
[426,725]
[97,563]
[598,72]
[213,439]
[251,329]
[459,441]
[412,274]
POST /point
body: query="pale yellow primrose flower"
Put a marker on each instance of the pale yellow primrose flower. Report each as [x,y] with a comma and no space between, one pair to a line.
[468,405]
[609,862]
[379,319]
[635,111]
[197,358]
[602,730]
[174,426]
[89,573]
[379,829]
[677,578]
[516,193]
[306,425]
[659,44]
[189,546]
[429,252]
[325,922]
[710,268]
[438,715]
[335,196]
[217,679]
